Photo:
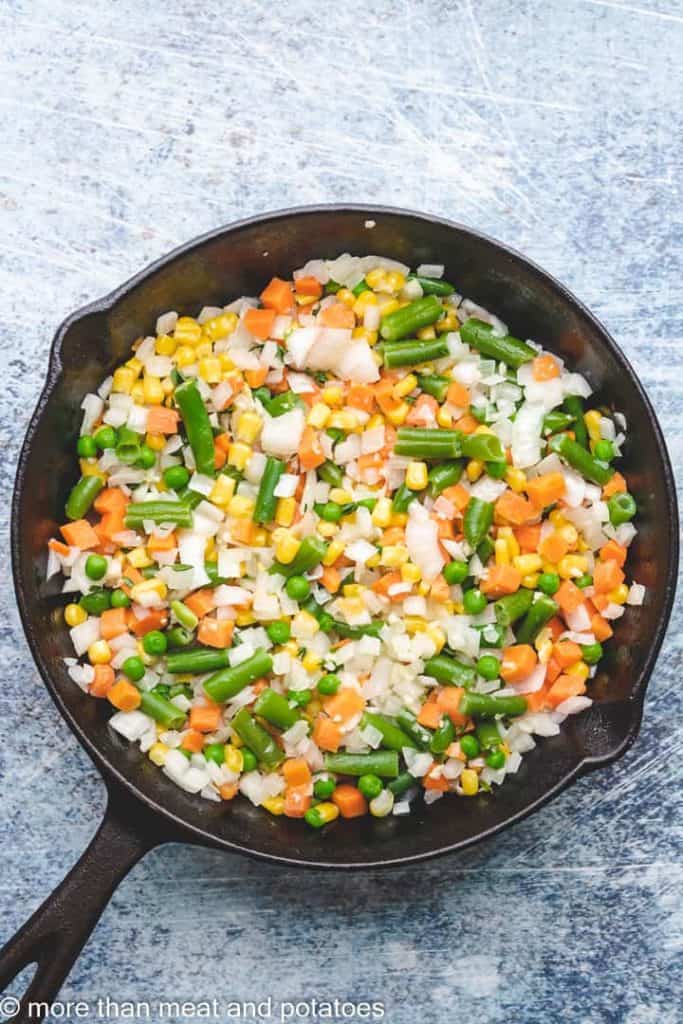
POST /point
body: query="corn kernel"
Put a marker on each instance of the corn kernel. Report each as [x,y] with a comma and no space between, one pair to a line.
[373,561]
[239,454]
[469,782]
[222,491]
[423,588]
[259,538]
[139,558]
[415,624]
[89,467]
[210,369]
[155,441]
[398,519]
[244,617]
[506,533]
[572,565]
[137,392]
[557,519]
[318,416]
[580,669]
[365,299]
[515,479]
[310,661]
[165,345]
[326,811]
[123,380]
[443,417]
[304,625]
[135,365]
[544,648]
[249,427]
[187,331]
[220,326]
[366,334]
[619,594]
[346,296]
[153,586]
[569,535]
[228,365]
[375,278]
[241,507]
[334,551]
[592,419]
[343,420]
[100,653]
[332,395]
[437,636]
[416,476]
[286,548]
[389,306]
[405,386]
[474,470]
[381,513]
[528,563]
[502,554]
[74,615]
[157,754]
[234,759]
[154,393]
[341,496]
[394,556]
[284,511]
[394,280]
[530,582]
[426,333]
[449,322]
[168,386]
[410,573]
[184,356]
[326,529]
[398,415]
[274,805]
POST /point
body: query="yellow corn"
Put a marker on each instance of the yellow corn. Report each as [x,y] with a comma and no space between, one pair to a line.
[449,322]
[528,563]
[100,653]
[394,556]
[374,278]
[274,805]
[153,586]
[388,305]
[286,547]
[394,280]
[184,356]
[139,558]
[222,491]
[437,636]
[165,345]
[557,519]
[474,470]
[157,754]
[138,392]
[381,514]
[318,416]
[234,759]
[74,615]
[154,393]
[530,582]
[244,617]
[334,551]
[506,533]
[284,511]
[220,326]
[135,365]
[332,396]
[580,669]
[502,554]
[343,420]
[572,565]
[415,624]
[304,624]
[155,441]
[398,519]
[423,588]
[373,561]
[210,369]
[416,476]
[327,811]
[469,782]
[346,296]
[123,381]
[398,415]
[89,467]
[619,594]
[187,331]
[444,418]
[228,367]
[410,573]
[326,529]
[310,661]
[204,349]
[405,386]
[239,454]
[241,507]
[365,299]
[353,590]
[515,479]
[249,427]
[570,535]
[545,650]
[592,419]
[426,333]
[168,386]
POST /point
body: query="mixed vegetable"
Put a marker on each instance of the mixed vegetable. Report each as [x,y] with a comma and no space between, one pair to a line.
[343,545]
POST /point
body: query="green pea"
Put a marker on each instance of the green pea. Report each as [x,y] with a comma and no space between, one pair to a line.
[456,572]
[214,752]
[622,508]
[370,786]
[548,583]
[178,636]
[96,602]
[469,744]
[86,447]
[147,457]
[474,601]
[298,588]
[324,788]
[119,599]
[331,512]
[300,697]
[496,759]
[95,567]
[496,469]
[583,581]
[329,684]
[134,668]
[592,653]
[105,437]
[155,643]
[488,666]
[314,818]
[176,477]
[249,760]
[279,632]
[604,450]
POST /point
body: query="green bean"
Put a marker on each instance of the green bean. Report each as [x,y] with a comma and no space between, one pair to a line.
[555,421]
[310,554]
[161,710]
[581,460]
[488,735]
[158,512]
[483,705]
[401,784]
[361,287]
[434,384]
[331,474]
[513,606]
[127,446]
[275,709]
[428,443]
[197,426]
[574,406]
[449,671]
[413,352]
[282,403]
[540,613]
[257,739]
[380,762]
[478,521]
[483,447]
[355,632]
[409,319]
[507,349]
[402,499]
[197,660]
[82,496]
[185,616]
[446,474]
[266,502]
[228,682]
[443,736]
[432,285]
[410,725]
[393,737]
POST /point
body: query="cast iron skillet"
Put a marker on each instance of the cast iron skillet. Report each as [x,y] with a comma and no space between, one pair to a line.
[146,809]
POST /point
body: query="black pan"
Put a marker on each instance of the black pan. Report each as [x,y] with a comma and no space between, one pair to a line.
[145,808]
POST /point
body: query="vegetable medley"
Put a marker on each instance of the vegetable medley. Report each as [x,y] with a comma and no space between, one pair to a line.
[343,546]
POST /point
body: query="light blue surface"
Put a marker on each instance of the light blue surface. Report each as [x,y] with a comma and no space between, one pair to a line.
[555,126]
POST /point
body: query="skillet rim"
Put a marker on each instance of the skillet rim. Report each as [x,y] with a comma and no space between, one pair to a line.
[110,774]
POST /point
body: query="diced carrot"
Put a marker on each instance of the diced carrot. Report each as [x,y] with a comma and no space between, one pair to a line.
[205,717]
[538,701]
[310,450]
[528,537]
[387,402]
[459,395]
[545,367]
[331,579]
[518,662]
[614,552]
[556,628]
[259,322]
[102,682]
[423,412]
[439,589]
[552,670]
[361,396]
[193,741]
[201,602]
[467,424]
[617,485]
[308,286]
[545,490]
[80,534]
[166,543]
[430,713]
[600,628]
[337,315]
[110,524]
[326,734]
[297,801]
[58,547]
[383,584]
[501,580]
[563,688]
[600,601]
[215,632]
[296,772]
[392,535]
[567,653]
[569,596]
[350,801]
[440,783]
[223,442]
[345,704]
[553,548]
[448,701]
[607,576]
[228,791]
[111,499]
[156,618]
[278,295]
[161,420]
[242,530]
[372,460]
[124,696]
[514,510]
[445,529]
[255,378]
[113,623]
[458,496]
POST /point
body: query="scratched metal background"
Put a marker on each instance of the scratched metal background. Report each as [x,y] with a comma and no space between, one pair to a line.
[128,127]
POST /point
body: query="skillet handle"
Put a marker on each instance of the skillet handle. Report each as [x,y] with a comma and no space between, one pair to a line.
[54,936]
